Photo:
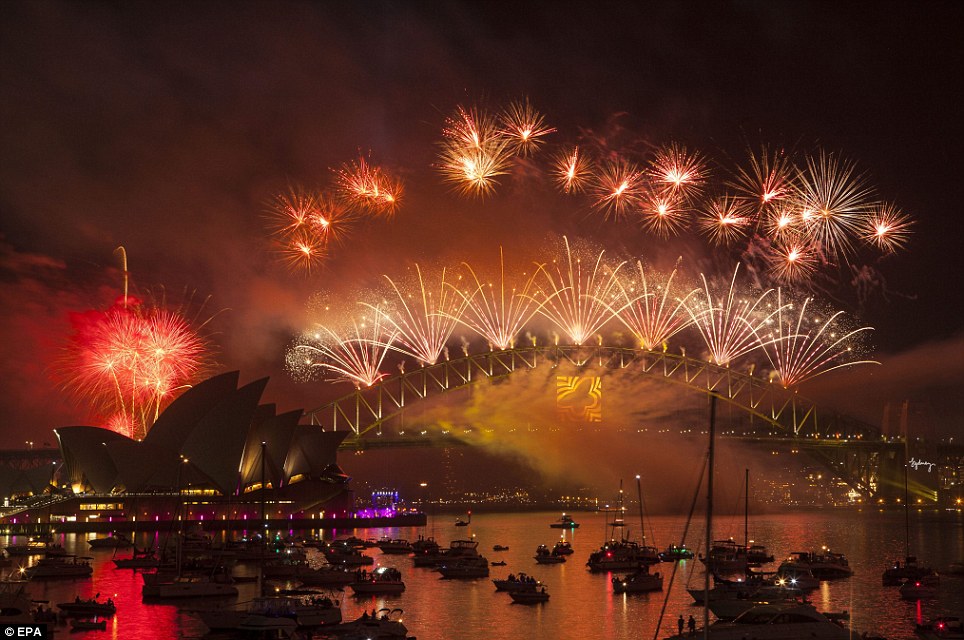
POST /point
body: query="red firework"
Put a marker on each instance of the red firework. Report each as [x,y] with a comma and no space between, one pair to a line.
[129,362]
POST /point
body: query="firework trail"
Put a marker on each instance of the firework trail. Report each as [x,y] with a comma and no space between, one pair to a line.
[651,310]
[729,324]
[805,346]
[130,361]
[354,355]
[578,300]
[498,312]
[422,316]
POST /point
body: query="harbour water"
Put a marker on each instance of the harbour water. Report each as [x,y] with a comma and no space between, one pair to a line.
[582,604]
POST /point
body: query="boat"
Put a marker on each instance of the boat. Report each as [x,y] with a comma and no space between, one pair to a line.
[622,554]
[347,556]
[562,548]
[113,541]
[545,556]
[466,567]
[565,522]
[529,597]
[397,546]
[942,628]
[88,608]
[500,563]
[640,581]
[326,576]
[789,621]
[88,625]
[457,549]
[383,624]
[31,548]
[800,579]
[500,547]
[383,580]
[306,611]
[824,566]
[521,582]
[58,567]
[898,573]
[675,554]
[142,559]
[425,545]
[921,588]
[459,522]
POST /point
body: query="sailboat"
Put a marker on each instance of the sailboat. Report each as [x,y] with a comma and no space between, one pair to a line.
[897,574]
[641,580]
[622,554]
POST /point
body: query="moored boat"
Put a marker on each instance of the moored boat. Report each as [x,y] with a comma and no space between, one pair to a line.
[529,597]
[113,541]
[395,546]
[898,573]
[790,621]
[824,566]
[82,608]
[565,522]
[545,556]
[920,588]
[942,628]
[58,567]
[467,567]
[521,582]
[640,581]
[674,553]
[383,580]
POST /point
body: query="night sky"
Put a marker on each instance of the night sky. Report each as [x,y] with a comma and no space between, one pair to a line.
[166,128]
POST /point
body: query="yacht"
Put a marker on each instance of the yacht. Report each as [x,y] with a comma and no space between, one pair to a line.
[925,587]
[302,611]
[164,585]
[640,581]
[326,576]
[562,548]
[943,628]
[382,581]
[395,546]
[622,555]
[824,566]
[88,608]
[385,624]
[776,622]
[565,522]
[800,579]
[459,522]
[674,554]
[114,541]
[341,554]
[52,568]
[899,573]
[466,567]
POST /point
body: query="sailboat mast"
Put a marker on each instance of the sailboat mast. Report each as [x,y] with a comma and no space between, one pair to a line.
[906,515]
[639,496]
[746,524]
[709,521]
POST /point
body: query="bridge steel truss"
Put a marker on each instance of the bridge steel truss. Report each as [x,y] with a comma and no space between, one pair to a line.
[788,415]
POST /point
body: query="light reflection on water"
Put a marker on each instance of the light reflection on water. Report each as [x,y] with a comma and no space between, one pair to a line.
[582,604]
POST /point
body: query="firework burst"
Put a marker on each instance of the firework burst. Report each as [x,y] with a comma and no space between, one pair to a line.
[497,312]
[767,180]
[354,355]
[474,153]
[130,361]
[887,227]
[724,221]
[808,344]
[677,172]
[579,300]
[524,127]
[571,171]
[663,215]
[369,187]
[618,188]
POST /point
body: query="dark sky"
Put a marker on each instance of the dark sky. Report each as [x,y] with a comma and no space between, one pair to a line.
[166,127]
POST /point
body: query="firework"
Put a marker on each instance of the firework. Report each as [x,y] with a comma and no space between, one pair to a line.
[792,261]
[498,312]
[474,154]
[833,202]
[571,171]
[292,211]
[129,362]
[724,221]
[663,215]
[768,180]
[887,227]
[579,300]
[677,172]
[423,316]
[524,127]
[618,188]
[355,355]
[369,187]
[809,344]
[304,251]
[651,310]
[731,323]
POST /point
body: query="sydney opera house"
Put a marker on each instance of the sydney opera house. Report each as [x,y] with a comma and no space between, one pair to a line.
[215,454]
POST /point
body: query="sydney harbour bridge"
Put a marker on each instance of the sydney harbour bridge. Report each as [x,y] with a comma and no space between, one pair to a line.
[855,452]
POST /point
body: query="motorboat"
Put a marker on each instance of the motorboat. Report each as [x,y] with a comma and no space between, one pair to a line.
[786,621]
[565,522]
[521,582]
[326,576]
[562,548]
[384,624]
[88,625]
[459,522]
[500,563]
[725,556]
[88,608]
[545,556]
[824,566]
[383,580]
[339,554]
[186,586]
[731,606]
[640,581]
[674,554]
[921,588]
[942,628]
[397,546]
[433,557]
[757,554]
[800,579]
[622,555]
[58,567]
[37,546]
[425,545]
[529,597]
[500,547]
[114,541]
[467,567]
[898,573]
[307,611]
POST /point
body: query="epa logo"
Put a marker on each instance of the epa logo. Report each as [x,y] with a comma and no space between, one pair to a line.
[25,631]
